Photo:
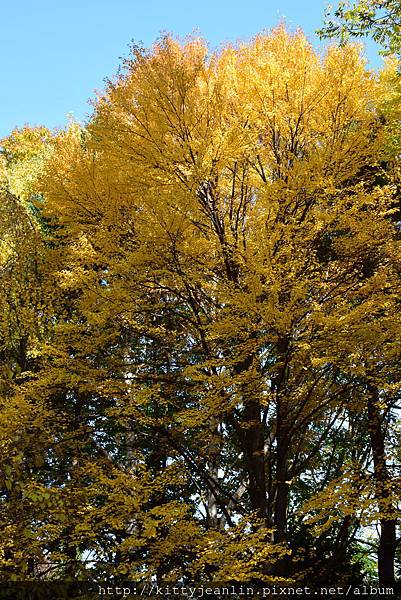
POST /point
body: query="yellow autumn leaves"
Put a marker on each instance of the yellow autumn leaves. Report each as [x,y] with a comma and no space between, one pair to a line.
[217,291]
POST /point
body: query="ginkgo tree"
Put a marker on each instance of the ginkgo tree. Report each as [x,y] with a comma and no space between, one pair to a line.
[24,435]
[222,271]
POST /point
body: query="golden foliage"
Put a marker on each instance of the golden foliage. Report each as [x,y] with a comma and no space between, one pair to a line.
[222,271]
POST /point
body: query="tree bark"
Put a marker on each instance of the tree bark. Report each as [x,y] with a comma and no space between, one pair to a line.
[388,541]
[282,492]
[254,453]
[281,496]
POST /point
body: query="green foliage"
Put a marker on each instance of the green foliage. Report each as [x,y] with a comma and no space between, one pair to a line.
[379,19]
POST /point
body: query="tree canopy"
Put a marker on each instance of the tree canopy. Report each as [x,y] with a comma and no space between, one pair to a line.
[201,300]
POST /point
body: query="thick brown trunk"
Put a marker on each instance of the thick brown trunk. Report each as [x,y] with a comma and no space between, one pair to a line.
[388,541]
[281,487]
[212,520]
[281,498]
[252,444]
[254,453]
[282,440]
[280,512]
[386,551]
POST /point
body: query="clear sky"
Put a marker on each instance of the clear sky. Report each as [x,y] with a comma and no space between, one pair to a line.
[56,53]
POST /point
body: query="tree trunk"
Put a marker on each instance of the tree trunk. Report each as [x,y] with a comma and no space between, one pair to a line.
[281,487]
[281,503]
[281,496]
[254,453]
[388,541]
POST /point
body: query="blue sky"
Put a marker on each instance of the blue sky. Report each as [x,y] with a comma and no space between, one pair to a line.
[56,53]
